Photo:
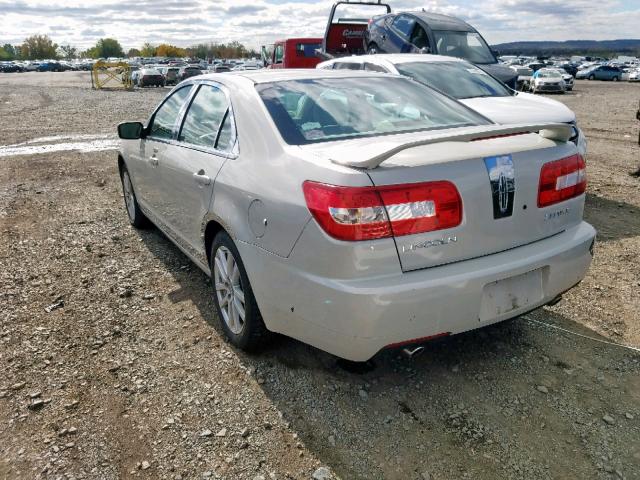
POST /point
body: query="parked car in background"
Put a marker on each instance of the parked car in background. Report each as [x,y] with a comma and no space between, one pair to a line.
[601,72]
[50,66]
[148,77]
[425,32]
[570,68]
[67,66]
[31,66]
[10,67]
[547,80]
[470,85]
[524,76]
[170,74]
[330,206]
[521,70]
[220,68]
[566,77]
[187,72]
[535,66]
[245,67]
[634,76]
[85,65]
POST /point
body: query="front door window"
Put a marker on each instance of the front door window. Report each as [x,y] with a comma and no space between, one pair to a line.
[164,120]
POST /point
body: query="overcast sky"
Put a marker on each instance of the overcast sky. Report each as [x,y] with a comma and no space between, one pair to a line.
[186,22]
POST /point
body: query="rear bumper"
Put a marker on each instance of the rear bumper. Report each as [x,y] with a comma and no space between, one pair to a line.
[355,319]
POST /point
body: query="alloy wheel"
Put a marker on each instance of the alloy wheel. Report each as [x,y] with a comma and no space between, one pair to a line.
[229,292]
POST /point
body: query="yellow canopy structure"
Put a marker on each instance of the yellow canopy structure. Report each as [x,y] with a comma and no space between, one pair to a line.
[111,76]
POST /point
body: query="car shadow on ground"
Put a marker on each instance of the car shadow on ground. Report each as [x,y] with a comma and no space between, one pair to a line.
[612,219]
[517,393]
[195,287]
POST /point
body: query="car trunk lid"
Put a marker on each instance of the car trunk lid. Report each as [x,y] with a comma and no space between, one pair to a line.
[497,180]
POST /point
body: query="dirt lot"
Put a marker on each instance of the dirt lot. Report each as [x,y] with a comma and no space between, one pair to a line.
[130,378]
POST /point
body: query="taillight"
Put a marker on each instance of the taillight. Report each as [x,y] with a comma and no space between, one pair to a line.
[562,179]
[365,213]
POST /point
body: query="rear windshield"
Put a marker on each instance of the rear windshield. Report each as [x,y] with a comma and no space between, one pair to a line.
[317,110]
[458,79]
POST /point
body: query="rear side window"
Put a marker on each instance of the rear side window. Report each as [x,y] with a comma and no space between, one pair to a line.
[347,66]
[403,25]
[227,135]
[204,117]
[165,118]
[372,67]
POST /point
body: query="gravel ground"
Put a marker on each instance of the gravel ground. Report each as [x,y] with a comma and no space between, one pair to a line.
[114,366]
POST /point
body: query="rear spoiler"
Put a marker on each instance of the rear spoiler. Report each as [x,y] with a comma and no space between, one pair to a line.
[373,154]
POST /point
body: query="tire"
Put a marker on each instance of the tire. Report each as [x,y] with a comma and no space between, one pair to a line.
[372,49]
[615,79]
[249,334]
[136,217]
[592,77]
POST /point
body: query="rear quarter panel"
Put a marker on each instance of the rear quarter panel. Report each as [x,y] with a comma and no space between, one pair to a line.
[258,196]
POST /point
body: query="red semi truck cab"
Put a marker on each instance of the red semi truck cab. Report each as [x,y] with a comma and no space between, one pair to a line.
[292,53]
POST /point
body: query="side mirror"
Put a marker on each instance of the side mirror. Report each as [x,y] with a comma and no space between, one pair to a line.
[130,130]
[496,53]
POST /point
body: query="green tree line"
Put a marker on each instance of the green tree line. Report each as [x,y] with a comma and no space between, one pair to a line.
[39,47]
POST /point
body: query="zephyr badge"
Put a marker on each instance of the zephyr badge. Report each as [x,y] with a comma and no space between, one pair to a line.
[503,184]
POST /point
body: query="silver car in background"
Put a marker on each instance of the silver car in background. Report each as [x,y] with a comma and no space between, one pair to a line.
[357,211]
[547,80]
[470,85]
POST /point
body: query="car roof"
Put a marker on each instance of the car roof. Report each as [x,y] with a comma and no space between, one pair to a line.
[438,21]
[279,75]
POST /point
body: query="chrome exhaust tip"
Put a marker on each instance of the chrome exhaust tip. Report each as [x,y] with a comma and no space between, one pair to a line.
[412,352]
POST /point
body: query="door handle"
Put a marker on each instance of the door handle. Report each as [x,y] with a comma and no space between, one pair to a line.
[201,179]
[153,160]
